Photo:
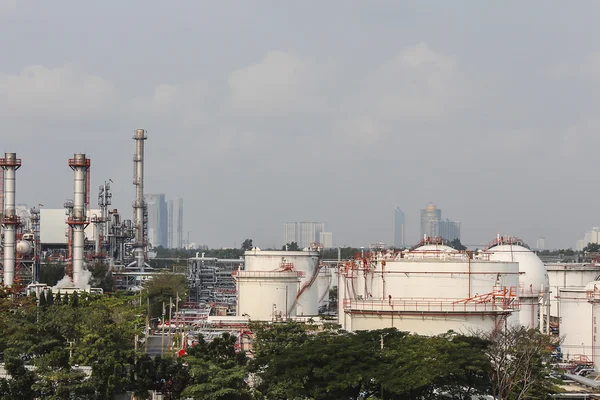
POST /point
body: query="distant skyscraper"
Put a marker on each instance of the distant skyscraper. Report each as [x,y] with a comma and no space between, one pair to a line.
[289,233]
[399,228]
[449,230]
[157,220]
[180,224]
[541,243]
[430,216]
[303,233]
[432,224]
[170,241]
[326,239]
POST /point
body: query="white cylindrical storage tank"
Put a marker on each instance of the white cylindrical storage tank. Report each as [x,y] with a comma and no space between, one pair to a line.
[565,275]
[532,279]
[265,296]
[324,283]
[576,326]
[306,298]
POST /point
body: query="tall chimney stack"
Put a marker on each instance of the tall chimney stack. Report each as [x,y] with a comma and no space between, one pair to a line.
[78,219]
[9,164]
[139,204]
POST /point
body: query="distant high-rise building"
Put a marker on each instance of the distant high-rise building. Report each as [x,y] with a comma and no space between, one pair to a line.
[157,220]
[399,228]
[432,224]
[289,233]
[326,239]
[180,239]
[303,233]
[541,243]
[449,230]
[170,241]
[430,217]
[591,236]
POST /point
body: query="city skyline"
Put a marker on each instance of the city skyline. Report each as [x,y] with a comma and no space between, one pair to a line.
[306,233]
[427,100]
[433,225]
[399,228]
[165,228]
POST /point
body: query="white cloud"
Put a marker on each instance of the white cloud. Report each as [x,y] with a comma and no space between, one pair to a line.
[7,6]
[165,95]
[586,68]
[418,85]
[578,137]
[280,82]
[65,93]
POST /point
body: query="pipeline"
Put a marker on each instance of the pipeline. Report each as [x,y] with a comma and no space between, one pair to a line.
[308,284]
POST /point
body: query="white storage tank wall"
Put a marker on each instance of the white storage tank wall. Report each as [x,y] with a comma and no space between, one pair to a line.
[568,275]
[576,322]
[306,262]
[423,324]
[324,283]
[258,297]
[432,279]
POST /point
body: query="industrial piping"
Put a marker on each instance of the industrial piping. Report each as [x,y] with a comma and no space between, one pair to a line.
[78,219]
[10,163]
[139,204]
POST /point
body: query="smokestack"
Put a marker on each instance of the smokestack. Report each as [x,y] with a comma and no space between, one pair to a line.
[78,219]
[138,204]
[9,164]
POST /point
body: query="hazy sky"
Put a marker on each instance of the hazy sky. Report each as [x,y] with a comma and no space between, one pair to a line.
[261,112]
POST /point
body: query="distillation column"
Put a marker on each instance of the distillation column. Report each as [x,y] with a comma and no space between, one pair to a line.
[138,204]
[78,219]
[10,163]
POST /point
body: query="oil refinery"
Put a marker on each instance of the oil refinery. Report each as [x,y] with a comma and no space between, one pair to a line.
[428,289]
[76,236]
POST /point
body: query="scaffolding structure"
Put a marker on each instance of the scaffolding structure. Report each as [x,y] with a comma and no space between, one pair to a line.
[211,280]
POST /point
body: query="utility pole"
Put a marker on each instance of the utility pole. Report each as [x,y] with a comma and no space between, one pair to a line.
[162,338]
[286,303]
[147,324]
[382,381]
[177,313]
[170,317]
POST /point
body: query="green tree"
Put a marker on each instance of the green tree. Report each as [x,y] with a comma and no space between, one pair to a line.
[51,272]
[293,246]
[247,245]
[216,371]
[592,248]
[21,382]
[101,276]
[163,288]
[457,245]
[518,368]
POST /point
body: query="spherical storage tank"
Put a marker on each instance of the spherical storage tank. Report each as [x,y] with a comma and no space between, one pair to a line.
[428,290]
[24,248]
[533,277]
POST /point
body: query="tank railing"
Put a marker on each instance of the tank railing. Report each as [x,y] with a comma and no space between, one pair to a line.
[593,295]
[429,306]
[530,293]
[504,240]
[267,274]
[435,254]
